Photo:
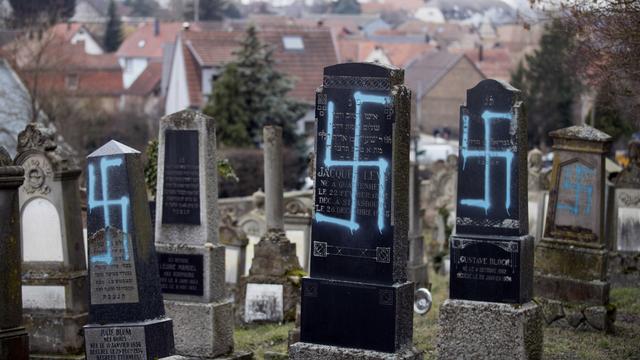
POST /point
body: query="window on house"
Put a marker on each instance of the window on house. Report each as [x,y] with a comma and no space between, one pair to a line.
[71,82]
[293,43]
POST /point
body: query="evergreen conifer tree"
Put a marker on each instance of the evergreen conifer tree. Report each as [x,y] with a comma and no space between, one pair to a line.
[113,33]
[249,94]
[549,83]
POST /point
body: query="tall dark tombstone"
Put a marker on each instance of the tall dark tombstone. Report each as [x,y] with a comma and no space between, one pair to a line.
[192,261]
[571,258]
[54,277]
[357,301]
[126,314]
[14,341]
[491,251]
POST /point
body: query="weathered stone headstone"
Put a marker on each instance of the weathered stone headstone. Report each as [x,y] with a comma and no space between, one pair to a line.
[126,314]
[275,259]
[14,341]
[54,278]
[357,301]
[491,251]
[537,193]
[417,266]
[571,258]
[192,262]
[624,260]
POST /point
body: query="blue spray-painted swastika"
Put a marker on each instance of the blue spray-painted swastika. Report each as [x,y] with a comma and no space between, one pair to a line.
[488,117]
[575,182]
[105,203]
[381,164]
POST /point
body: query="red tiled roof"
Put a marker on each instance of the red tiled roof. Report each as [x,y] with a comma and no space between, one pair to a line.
[400,54]
[214,48]
[66,31]
[148,81]
[151,43]
[496,63]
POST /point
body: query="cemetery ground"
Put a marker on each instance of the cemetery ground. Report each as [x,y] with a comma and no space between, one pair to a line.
[561,343]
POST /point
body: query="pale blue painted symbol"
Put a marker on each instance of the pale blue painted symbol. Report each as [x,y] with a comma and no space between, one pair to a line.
[105,203]
[581,175]
[381,164]
[488,117]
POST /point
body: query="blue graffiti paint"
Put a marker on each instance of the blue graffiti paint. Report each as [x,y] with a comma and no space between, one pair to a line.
[575,182]
[488,117]
[105,203]
[381,164]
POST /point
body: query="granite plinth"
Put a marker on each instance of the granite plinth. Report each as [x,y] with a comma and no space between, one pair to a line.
[241,355]
[202,329]
[570,290]
[494,269]
[359,315]
[485,330]
[308,351]
[14,344]
[55,333]
[151,339]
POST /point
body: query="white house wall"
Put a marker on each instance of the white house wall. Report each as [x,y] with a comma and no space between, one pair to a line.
[132,67]
[178,91]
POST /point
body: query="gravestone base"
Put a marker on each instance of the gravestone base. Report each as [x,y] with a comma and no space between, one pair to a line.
[578,316]
[477,329]
[55,334]
[491,268]
[274,262]
[151,338]
[33,356]
[338,312]
[624,268]
[571,290]
[309,351]
[202,329]
[14,344]
[213,258]
[241,355]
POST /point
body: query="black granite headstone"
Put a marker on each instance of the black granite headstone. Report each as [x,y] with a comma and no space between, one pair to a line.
[181,195]
[358,294]
[181,273]
[123,268]
[491,257]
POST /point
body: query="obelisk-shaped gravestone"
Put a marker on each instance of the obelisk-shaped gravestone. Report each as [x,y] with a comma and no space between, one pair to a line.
[192,262]
[624,260]
[126,314]
[357,300]
[267,294]
[571,258]
[54,280]
[417,266]
[14,341]
[491,252]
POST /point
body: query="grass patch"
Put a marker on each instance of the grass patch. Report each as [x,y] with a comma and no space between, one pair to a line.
[560,343]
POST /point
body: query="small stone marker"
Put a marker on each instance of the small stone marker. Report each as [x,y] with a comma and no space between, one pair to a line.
[417,267]
[54,298]
[192,262]
[275,258]
[126,314]
[357,300]
[624,260]
[571,258]
[14,341]
[491,252]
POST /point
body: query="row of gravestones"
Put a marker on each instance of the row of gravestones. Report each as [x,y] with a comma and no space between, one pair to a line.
[357,301]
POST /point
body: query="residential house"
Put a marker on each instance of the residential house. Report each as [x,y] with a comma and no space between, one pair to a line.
[400,54]
[75,33]
[439,81]
[198,58]
[143,46]
[96,11]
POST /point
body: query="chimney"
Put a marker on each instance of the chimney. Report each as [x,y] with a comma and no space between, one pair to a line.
[186,26]
[480,53]
[156,27]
